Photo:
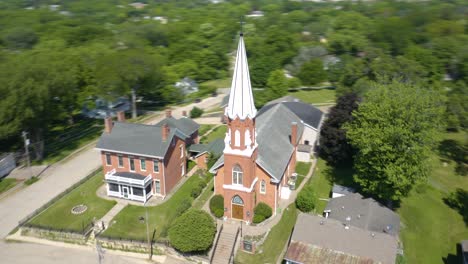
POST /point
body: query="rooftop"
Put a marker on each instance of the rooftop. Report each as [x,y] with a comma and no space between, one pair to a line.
[186,125]
[216,147]
[316,240]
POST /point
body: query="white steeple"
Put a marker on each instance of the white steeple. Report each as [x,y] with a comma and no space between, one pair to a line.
[241,103]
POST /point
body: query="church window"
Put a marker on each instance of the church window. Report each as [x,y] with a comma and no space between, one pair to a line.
[237,175]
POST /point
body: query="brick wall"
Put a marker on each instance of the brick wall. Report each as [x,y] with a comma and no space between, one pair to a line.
[173,163]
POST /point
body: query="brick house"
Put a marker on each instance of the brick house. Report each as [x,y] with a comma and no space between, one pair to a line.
[260,147]
[140,161]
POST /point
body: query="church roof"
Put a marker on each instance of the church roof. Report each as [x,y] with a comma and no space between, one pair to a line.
[241,103]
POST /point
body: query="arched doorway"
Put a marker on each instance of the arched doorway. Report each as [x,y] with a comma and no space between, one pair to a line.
[237,207]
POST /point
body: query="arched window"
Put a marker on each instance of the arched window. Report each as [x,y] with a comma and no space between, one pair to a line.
[263,186]
[237,200]
[237,175]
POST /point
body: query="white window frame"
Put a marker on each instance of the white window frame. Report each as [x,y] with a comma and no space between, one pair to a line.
[181,147]
[130,159]
[119,159]
[182,168]
[236,175]
[108,159]
[142,161]
[263,187]
[156,189]
[156,165]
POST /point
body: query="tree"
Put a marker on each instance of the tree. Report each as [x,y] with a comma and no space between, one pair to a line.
[20,38]
[196,112]
[306,199]
[217,205]
[312,72]
[334,146]
[262,211]
[393,131]
[193,231]
[277,84]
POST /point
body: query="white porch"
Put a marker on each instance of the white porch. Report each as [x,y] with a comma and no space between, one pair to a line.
[127,185]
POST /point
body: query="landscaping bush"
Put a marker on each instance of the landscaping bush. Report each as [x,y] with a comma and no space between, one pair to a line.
[217,205]
[198,188]
[183,206]
[306,199]
[196,112]
[192,232]
[261,212]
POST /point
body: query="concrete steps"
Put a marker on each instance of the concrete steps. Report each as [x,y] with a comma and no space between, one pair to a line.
[226,244]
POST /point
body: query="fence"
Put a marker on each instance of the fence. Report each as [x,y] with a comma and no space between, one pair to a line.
[60,195]
[64,235]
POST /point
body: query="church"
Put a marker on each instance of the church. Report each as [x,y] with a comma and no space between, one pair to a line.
[261,147]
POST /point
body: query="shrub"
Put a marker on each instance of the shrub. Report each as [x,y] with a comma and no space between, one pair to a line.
[217,205]
[261,212]
[306,200]
[198,188]
[183,206]
[192,232]
[196,112]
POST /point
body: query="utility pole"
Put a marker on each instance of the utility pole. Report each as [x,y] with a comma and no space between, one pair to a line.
[147,232]
[26,148]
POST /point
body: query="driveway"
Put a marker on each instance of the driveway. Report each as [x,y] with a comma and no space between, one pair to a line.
[53,181]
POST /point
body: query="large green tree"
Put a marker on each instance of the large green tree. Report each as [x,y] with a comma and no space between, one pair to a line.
[312,72]
[394,131]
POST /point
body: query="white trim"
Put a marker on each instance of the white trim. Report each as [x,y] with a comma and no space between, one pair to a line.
[182,170]
[181,147]
[241,188]
[262,182]
[159,181]
[129,153]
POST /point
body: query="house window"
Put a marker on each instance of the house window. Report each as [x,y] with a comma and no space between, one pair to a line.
[143,164]
[113,187]
[157,187]
[137,191]
[237,175]
[108,159]
[181,151]
[156,166]
[132,164]
[120,158]
[263,187]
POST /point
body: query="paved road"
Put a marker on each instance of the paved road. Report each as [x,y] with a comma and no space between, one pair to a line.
[53,181]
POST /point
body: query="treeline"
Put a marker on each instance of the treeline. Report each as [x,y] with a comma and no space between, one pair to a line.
[56,55]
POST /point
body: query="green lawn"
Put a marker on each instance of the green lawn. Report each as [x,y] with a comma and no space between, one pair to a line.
[219,132]
[431,228]
[219,83]
[203,129]
[322,96]
[127,223]
[6,184]
[59,216]
[302,168]
[203,198]
[275,242]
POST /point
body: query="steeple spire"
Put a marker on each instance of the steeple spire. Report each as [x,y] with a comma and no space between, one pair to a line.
[241,103]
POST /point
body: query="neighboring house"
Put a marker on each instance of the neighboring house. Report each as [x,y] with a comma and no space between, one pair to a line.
[187,85]
[7,164]
[140,161]
[355,210]
[464,249]
[105,108]
[255,14]
[200,152]
[260,148]
[185,125]
[316,240]
[138,5]
[340,191]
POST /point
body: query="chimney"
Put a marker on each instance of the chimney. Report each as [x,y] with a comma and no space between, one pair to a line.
[121,116]
[184,113]
[165,131]
[108,124]
[293,133]
[168,113]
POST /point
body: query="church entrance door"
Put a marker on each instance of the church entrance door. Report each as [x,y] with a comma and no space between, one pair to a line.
[237,207]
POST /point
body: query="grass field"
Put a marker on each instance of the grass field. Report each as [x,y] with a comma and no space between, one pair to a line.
[218,132]
[127,224]
[302,168]
[59,215]
[220,83]
[204,196]
[322,96]
[203,129]
[6,184]
[432,228]
[275,242]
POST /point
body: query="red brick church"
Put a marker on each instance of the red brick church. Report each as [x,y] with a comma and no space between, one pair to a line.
[260,147]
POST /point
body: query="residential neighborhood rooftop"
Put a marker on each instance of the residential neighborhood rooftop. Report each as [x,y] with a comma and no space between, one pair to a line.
[185,125]
[316,240]
[216,147]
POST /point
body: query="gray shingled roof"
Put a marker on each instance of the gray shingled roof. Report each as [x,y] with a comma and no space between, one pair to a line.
[316,240]
[216,147]
[273,156]
[130,175]
[186,125]
[310,115]
[287,98]
[342,189]
[365,213]
[138,139]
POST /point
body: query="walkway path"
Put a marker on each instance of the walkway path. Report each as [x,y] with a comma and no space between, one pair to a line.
[111,214]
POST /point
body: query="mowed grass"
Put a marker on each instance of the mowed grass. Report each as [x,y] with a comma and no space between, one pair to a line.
[6,184]
[127,224]
[219,83]
[219,132]
[320,96]
[59,216]
[203,129]
[431,229]
[275,242]
[204,196]
[302,168]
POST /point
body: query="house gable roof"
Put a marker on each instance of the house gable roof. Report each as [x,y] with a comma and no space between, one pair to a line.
[365,213]
[216,147]
[145,140]
[186,125]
